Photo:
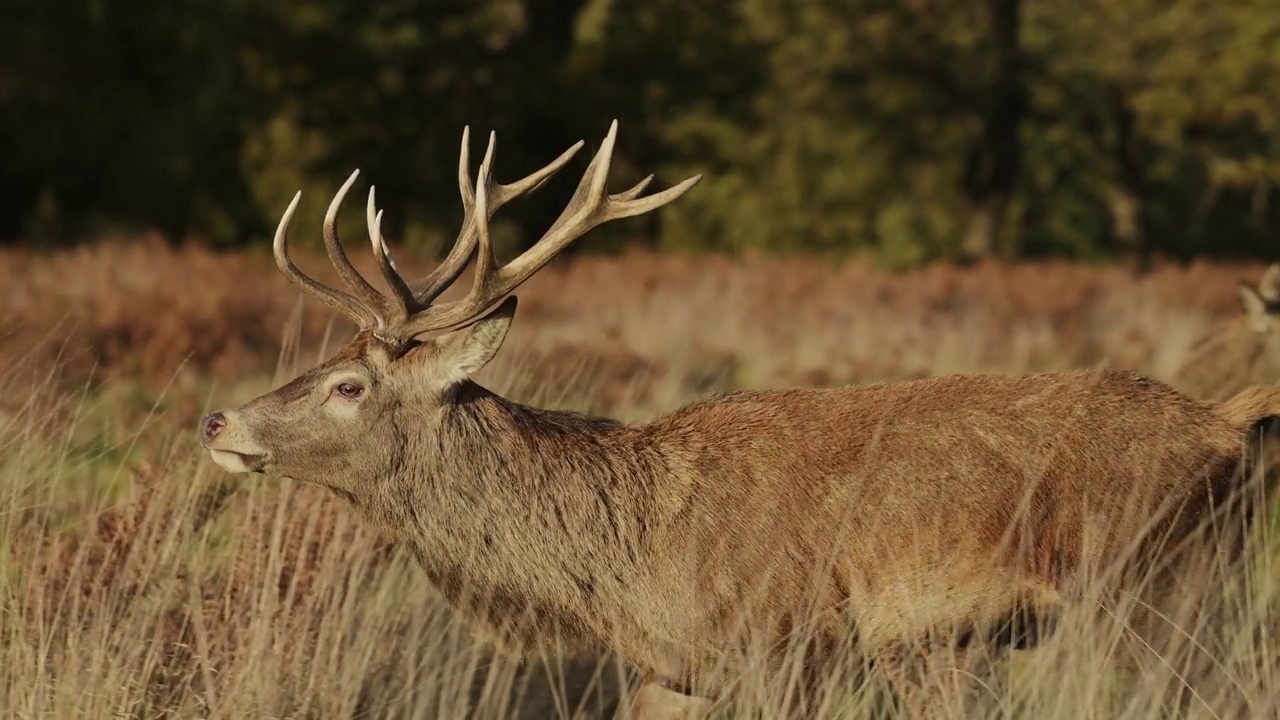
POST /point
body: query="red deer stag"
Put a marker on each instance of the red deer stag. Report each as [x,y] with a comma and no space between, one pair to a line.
[955,512]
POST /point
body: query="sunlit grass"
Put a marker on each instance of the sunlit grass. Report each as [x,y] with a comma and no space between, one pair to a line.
[138,580]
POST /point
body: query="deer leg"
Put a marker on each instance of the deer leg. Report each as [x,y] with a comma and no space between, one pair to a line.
[901,667]
[655,701]
[931,681]
[1183,629]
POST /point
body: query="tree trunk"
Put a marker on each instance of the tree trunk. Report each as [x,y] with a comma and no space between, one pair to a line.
[543,125]
[1130,223]
[994,163]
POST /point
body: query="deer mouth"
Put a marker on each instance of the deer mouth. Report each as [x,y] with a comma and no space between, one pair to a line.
[236,462]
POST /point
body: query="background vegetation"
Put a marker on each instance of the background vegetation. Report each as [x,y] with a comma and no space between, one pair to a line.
[137,580]
[907,130]
[147,150]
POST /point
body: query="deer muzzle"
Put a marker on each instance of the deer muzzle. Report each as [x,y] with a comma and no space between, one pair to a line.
[228,445]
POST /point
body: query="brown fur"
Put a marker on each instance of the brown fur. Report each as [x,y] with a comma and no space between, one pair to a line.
[882,512]
[1241,352]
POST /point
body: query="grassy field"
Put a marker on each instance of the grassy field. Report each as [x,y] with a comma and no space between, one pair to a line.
[138,580]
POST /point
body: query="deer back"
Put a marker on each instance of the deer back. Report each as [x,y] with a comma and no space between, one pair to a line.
[914,503]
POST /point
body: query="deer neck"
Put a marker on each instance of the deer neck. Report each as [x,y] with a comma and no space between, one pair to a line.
[524,509]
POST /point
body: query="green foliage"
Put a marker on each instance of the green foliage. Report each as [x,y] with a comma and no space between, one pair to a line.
[909,131]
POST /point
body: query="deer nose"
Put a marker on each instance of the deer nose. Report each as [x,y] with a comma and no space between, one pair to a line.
[212,426]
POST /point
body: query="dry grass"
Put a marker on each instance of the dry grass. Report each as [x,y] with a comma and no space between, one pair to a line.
[137,580]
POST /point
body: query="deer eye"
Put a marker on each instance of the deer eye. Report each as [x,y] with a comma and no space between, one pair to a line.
[348,390]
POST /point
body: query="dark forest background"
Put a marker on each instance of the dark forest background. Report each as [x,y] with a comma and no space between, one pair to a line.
[909,130]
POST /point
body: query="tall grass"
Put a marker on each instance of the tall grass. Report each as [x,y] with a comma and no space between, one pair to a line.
[137,580]
[140,581]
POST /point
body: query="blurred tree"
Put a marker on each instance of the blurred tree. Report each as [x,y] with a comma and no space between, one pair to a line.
[684,79]
[881,125]
[1174,107]
[993,162]
[909,131]
[385,87]
[123,112]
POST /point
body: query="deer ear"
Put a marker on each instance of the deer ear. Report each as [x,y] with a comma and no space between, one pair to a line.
[1255,308]
[1269,285]
[467,350]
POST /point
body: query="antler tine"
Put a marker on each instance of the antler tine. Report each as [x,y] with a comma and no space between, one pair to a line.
[465,187]
[618,207]
[502,194]
[598,170]
[361,288]
[589,207]
[455,262]
[334,298]
[484,256]
[373,218]
[635,191]
[484,249]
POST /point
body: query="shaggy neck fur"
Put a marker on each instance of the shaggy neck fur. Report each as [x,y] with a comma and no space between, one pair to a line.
[492,505]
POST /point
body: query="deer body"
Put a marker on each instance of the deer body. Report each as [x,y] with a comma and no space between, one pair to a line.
[662,540]
[860,517]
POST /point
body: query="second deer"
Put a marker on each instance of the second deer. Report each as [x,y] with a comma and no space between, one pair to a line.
[1241,352]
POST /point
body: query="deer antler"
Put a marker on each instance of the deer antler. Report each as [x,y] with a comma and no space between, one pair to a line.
[448,271]
[588,208]
[336,299]
[411,312]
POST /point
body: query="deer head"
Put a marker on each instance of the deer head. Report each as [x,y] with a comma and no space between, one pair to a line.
[343,423]
[1262,305]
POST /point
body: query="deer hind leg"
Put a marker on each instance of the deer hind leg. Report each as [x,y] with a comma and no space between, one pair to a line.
[566,687]
[1183,634]
[654,701]
[936,680]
